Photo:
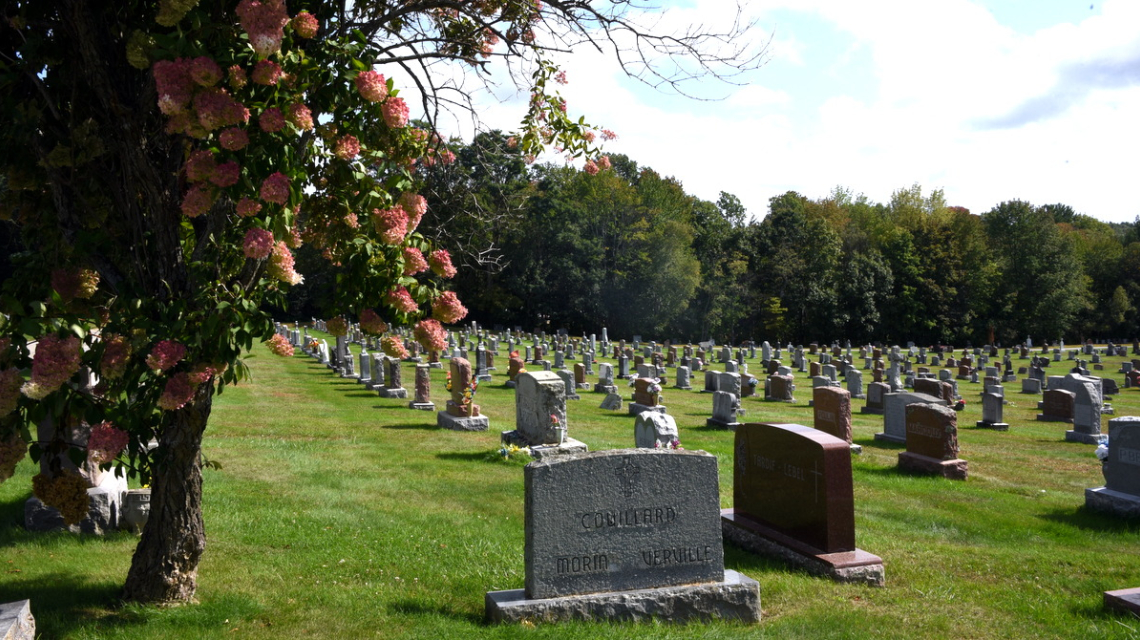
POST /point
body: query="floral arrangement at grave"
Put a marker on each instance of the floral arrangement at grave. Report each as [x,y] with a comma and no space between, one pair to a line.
[468,400]
[513,451]
[674,444]
[165,160]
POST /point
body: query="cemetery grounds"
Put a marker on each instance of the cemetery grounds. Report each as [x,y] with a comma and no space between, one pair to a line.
[333,513]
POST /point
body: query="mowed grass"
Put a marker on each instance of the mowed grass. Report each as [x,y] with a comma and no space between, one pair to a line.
[339,514]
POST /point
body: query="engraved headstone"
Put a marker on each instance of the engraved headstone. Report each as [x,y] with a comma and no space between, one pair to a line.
[831,411]
[932,441]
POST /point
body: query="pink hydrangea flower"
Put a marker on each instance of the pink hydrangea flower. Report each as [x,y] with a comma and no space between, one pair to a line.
[275,188]
[447,308]
[165,355]
[226,174]
[391,224]
[233,139]
[591,168]
[200,166]
[300,116]
[371,323]
[337,326]
[393,347]
[271,120]
[440,261]
[400,300]
[414,261]
[179,390]
[198,200]
[395,112]
[347,147]
[305,25]
[238,77]
[266,72]
[264,22]
[56,360]
[604,163]
[281,265]
[74,283]
[205,71]
[247,207]
[174,84]
[106,442]
[116,355]
[217,109]
[10,383]
[416,206]
[608,135]
[293,240]
[447,157]
[430,334]
[371,85]
[258,243]
[280,346]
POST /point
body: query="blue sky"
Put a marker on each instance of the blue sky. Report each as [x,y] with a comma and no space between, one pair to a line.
[987,100]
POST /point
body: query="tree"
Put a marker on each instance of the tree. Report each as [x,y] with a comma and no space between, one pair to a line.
[159,219]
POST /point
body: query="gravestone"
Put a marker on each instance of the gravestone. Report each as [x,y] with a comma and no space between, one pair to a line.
[580,376]
[1031,385]
[612,402]
[653,430]
[726,408]
[1056,406]
[393,384]
[605,379]
[1120,494]
[854,379]
[831,412]
[780,388]
[568,381]
[540,416]
[462,414]
[1087,408]
[683,378]
[932,441]
[895,412]
[992,408]
[613,535]
[17,621]
[422,401]
[646,396]
[793,498]
[876,396]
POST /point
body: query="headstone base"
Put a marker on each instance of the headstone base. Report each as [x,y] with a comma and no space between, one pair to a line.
[721,424]
[510,384]
[736,598]
[1086,438]
[956,469]
[847,566]
[422,406]
[17,623]
[1114,502]
[543,451]
[996,426]
[1122,600]
[399,394]
[367,382]
[445,420]
[484,378]
[684,388]
[635,408]
[435,365]
[584,386]
[1046,418]
[605,388]
[887,437]
[874,410]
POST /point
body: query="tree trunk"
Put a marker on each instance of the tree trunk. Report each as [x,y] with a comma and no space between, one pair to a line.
[164,568]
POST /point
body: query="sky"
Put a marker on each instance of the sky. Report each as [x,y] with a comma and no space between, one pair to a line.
[987,100]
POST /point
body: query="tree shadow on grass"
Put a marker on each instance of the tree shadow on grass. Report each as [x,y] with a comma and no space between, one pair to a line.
[64,602]
[418,607]
[1089,520]
[471,456]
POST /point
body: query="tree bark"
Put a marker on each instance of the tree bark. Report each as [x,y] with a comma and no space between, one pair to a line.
[164,568]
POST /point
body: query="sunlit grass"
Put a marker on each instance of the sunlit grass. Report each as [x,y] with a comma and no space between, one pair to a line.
[339,514]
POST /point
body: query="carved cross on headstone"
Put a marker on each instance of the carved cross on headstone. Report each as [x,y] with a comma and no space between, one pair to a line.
[628,474]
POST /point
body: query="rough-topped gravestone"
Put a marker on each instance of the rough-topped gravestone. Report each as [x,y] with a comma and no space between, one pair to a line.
[993,405]
[831,410]
[1087,407]
[568,382]
[1056,406]
[540,416]
[1120,494]
[393,384]
[793,498]
[894,414]
[614,535]
[653,430]
[932,441]
[780,388]
[462,414]
[683,378]
[17,621]
[422,400]
[726,408]
[612,402]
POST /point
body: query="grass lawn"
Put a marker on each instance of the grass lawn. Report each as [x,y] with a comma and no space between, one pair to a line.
[338,514]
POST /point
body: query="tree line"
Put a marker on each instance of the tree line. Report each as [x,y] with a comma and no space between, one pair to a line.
[548,246]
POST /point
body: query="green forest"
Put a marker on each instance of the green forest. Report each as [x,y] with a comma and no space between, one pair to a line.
[544,246]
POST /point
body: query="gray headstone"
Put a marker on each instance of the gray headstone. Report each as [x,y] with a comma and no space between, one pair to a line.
[652,430]
[538,396]
[619,520]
